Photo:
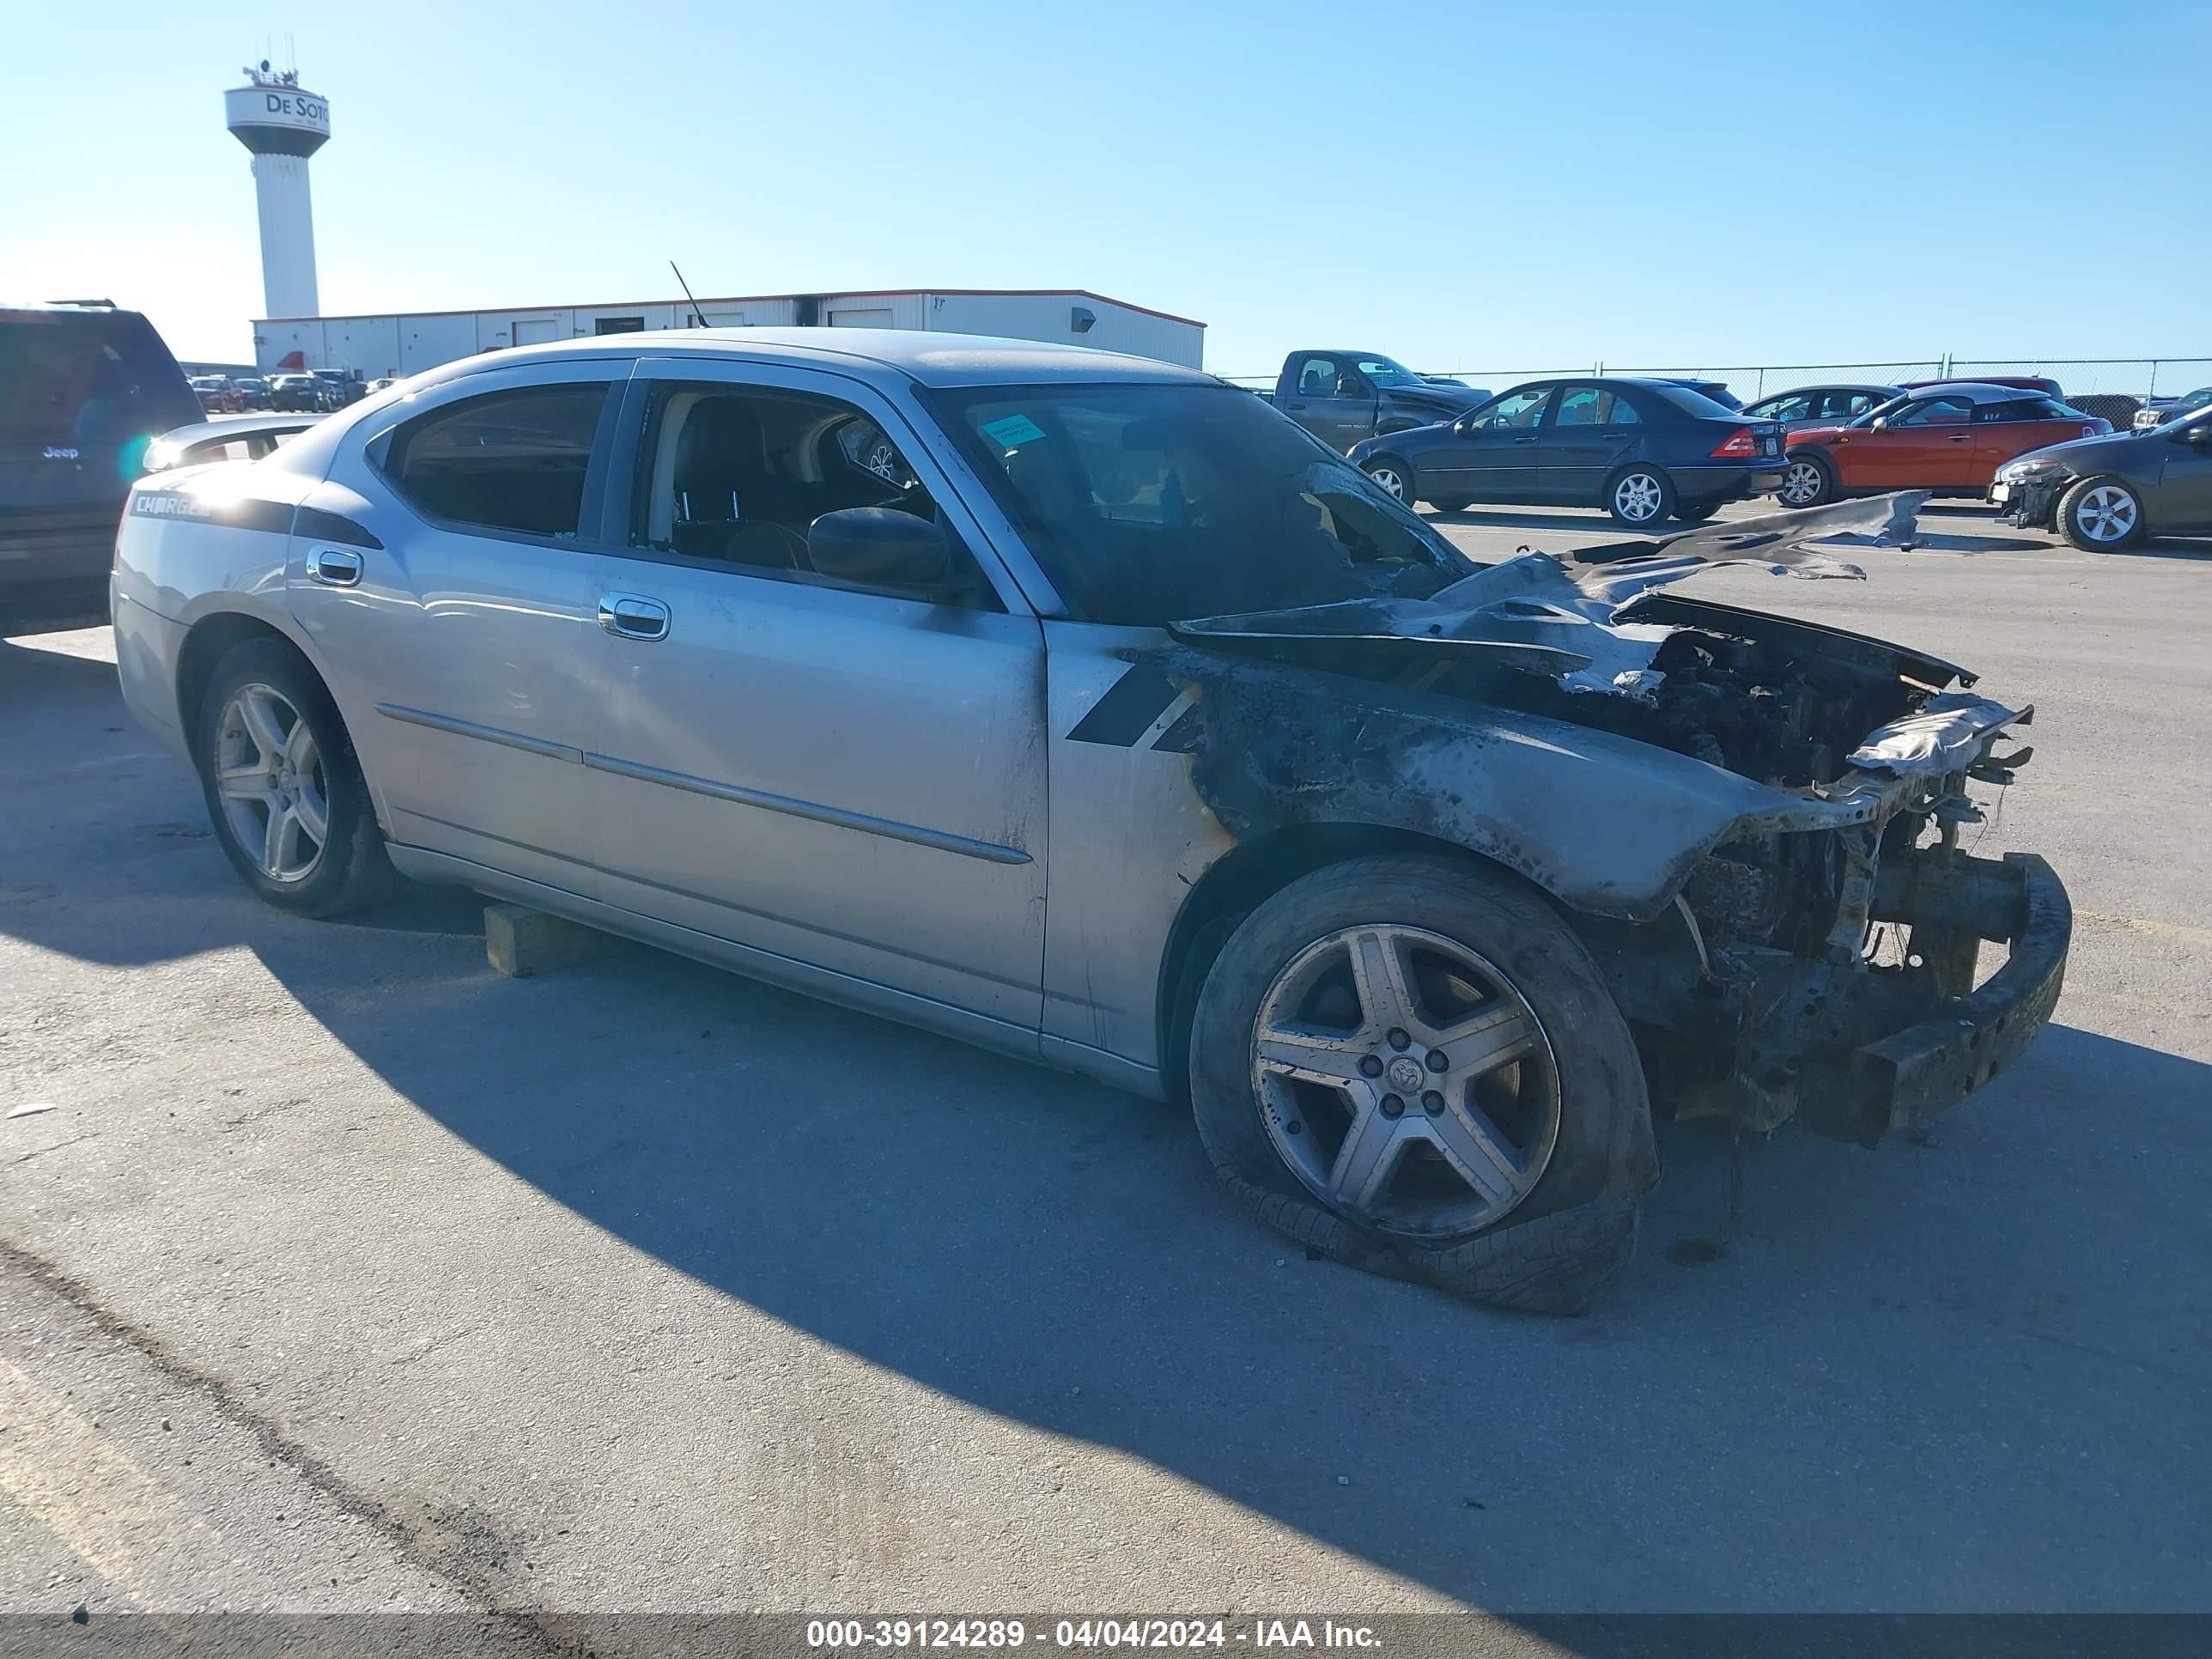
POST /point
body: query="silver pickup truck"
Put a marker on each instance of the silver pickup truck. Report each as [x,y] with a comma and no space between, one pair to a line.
[1086,708]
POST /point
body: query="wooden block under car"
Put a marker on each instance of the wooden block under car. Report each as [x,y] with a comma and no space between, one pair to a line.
[519,941]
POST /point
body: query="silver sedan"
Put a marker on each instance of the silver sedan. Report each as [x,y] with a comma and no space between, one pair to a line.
[1085,708]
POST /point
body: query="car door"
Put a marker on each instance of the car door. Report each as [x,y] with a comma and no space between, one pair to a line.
[441,572]
[1590,430]
[1928,443]
[846,784]
[2181,504]
[1332,400]
[1492,454]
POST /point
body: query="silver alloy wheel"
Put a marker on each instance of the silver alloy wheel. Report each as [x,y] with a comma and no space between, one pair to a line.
[2107,514]
[1636,497]
[1802,483]
[1392,482]
[1405,1081]
[270,777]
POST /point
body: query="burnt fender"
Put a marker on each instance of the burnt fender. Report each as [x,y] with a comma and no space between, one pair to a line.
[1604,825]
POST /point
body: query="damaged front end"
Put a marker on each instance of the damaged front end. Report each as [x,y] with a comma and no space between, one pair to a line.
[1754,822]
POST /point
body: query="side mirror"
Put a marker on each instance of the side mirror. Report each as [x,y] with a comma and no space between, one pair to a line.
[2197,437]
[1465,426]
[879,547]
[1878,423]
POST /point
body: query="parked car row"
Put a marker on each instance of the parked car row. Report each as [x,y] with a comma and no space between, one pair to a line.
[1646,449]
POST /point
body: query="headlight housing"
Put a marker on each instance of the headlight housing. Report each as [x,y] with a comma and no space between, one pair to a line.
[2028,467]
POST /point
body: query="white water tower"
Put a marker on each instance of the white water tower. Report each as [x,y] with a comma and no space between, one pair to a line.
[282,125]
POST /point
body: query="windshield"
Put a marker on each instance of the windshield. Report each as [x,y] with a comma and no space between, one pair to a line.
[2191,402]
[1150,504]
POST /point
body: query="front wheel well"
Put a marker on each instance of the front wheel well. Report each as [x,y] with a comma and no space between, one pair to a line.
[1238,883]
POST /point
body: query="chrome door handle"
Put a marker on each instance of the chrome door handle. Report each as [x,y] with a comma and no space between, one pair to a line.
[634,617]
[334,565]
[1524,440]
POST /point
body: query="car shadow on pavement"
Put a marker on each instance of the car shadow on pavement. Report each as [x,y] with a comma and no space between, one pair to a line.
[1952,1330]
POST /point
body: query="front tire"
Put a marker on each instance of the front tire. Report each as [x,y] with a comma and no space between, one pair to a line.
[1807,481]
[1639,497]
[2099,515]
[283,789]
[1414,1066]
[1393,477]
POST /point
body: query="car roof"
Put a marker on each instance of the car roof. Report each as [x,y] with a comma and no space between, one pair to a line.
[1830,385]
[1974,391]
[933,358]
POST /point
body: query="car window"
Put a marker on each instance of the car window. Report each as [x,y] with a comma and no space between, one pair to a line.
[737,476]
[507,460]
[1154,503]
[1317,378]
[1382,371]
[1516,410]
[1853,404]
[1591,405]
[1934,411]
[1794,406]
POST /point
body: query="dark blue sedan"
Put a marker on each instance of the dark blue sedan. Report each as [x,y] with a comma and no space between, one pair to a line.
[1643,450]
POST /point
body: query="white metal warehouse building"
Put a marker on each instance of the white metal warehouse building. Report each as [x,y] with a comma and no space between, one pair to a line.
[408,343]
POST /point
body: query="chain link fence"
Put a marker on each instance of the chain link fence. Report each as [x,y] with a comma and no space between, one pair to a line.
[2120,385]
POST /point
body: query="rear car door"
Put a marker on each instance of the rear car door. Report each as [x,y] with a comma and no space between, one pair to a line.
[1491,455]
[846,782]
[1331,399]
[1927,443]
[1590,430]
[442,573]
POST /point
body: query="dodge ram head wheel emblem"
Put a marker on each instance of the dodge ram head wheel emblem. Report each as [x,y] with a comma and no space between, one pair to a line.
[1405,1073]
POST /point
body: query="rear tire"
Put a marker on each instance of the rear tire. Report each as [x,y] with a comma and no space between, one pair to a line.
[1393,477]
[1807,481]
[284,791]
[2100,515]
[1550,1221]
[1453,504]
[1639,497]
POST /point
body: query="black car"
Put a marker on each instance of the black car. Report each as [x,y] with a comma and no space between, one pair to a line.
[83,390]
[1820,405]
[2103,493]
[1643,450]
[1717,390]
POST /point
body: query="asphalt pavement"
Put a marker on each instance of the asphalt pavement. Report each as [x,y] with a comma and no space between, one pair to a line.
[345,1274]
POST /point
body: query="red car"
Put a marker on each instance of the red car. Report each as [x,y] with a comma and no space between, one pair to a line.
[1950,438]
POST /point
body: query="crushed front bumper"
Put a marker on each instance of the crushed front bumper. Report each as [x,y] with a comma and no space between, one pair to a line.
[1899,1081]
[2033,505]
[1860,1052]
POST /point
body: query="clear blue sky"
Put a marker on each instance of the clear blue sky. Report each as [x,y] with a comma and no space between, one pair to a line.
[1532,183]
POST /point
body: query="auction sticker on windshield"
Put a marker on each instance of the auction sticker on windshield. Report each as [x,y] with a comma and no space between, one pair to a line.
[1012,431]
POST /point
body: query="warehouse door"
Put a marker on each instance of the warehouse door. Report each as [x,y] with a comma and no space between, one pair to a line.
[537,330]
[861,317]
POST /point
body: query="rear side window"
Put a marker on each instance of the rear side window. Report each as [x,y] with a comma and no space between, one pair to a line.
[1591,405]
[509,460]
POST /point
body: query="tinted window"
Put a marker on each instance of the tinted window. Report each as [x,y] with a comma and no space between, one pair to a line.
[1846,405]
[1935,411]
[1149,504]
[507,460]
[2028,409]
[1690,403]
[1796,406]
[97,376]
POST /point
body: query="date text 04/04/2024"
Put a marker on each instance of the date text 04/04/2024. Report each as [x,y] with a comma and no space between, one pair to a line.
[1086,1634]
